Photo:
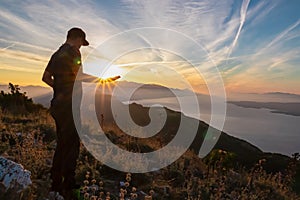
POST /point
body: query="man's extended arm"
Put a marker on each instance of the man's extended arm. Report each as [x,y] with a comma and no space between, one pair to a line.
[47,78]
[90,78]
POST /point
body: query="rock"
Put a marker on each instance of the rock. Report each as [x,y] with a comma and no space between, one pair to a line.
[13,175]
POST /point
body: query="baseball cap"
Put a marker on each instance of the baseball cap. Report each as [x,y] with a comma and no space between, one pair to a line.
[77,32]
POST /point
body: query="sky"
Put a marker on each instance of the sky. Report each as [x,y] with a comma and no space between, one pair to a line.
[253,44]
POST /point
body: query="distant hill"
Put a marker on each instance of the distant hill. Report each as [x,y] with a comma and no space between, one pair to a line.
[276,107]
[43,95]
[265,97]
[283,94]
[32,91]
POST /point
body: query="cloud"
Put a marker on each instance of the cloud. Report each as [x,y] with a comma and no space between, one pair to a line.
[31,31]
[20,55]
[47,22]
[19,69]
[203,21]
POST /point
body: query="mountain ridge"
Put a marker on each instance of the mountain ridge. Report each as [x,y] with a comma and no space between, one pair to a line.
[291,108]
[241,148]
[35,91]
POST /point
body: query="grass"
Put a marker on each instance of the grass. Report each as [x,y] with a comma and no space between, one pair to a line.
[29,139]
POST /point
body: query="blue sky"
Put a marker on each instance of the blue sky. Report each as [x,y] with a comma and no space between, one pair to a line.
[254,44]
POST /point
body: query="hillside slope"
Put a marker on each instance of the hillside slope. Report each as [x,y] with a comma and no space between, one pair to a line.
[245,153]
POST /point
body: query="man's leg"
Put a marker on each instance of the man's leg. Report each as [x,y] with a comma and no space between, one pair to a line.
[70,154]
[56,170]
[70,160]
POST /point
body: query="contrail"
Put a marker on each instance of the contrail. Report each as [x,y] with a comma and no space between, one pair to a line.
[3,49]
[243,14]
[26,45]
[282,34]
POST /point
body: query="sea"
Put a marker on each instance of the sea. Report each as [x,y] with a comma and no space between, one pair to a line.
[271,132]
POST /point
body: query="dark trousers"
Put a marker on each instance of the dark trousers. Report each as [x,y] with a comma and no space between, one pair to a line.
[67,149]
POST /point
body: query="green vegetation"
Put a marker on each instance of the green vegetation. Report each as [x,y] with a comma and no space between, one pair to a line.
[17,103]
[234,170]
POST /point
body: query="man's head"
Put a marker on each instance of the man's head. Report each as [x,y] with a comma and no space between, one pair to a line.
[76,36]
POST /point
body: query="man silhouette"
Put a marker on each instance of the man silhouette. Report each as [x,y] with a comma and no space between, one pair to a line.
[60,74]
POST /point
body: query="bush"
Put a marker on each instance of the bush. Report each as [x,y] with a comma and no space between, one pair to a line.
[17,103]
